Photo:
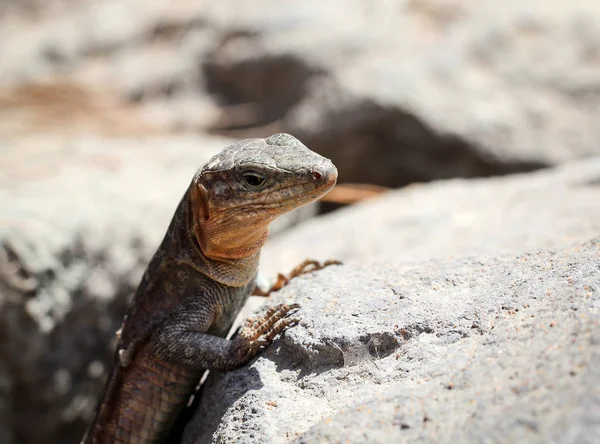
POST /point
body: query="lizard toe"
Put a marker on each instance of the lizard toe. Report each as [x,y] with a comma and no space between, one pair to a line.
[279,327]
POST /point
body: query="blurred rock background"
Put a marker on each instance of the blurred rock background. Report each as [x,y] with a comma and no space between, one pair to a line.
[108,107]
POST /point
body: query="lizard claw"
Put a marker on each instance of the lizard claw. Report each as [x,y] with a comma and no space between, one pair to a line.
[254,328]
[280,326]
[260,332]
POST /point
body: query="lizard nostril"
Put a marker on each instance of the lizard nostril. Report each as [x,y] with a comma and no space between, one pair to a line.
[316,175]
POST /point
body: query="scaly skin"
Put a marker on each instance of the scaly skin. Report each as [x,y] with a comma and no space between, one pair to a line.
[197,282]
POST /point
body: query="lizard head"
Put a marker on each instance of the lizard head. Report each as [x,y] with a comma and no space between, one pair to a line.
[241,190]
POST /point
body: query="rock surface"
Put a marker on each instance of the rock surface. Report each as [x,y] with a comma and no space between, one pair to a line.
[463,349]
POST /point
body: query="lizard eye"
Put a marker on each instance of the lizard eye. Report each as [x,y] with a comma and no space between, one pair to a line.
[255,180]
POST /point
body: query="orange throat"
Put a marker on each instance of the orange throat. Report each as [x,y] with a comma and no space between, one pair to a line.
[225,238]
[223,241]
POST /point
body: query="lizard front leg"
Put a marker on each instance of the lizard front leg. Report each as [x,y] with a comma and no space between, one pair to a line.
[157,382]
[182,337]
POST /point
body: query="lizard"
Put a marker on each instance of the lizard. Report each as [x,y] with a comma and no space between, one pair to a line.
[198,280]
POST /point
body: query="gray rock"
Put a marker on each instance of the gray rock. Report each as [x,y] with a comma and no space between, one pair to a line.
[463,349]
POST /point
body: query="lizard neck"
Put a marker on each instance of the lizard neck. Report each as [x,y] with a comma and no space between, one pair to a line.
[221,249]
[226,240]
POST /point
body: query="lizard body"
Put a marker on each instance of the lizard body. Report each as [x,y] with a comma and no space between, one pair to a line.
[198,281]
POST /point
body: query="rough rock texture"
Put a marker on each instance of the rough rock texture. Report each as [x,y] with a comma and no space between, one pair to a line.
[393,92]
[454,350]
[80,218]
[433,331]
[472,349]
